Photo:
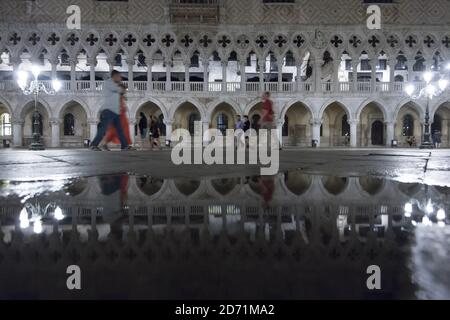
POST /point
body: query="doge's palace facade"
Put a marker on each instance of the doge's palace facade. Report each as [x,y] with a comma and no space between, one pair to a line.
[331,78]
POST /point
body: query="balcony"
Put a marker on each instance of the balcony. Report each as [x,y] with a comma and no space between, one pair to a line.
[231,88]
[194,11]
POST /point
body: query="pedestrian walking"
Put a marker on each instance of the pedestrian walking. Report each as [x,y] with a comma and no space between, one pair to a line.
[110,112]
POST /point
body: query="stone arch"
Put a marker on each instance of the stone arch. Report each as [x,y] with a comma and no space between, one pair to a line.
[377,102]
[30,104]
[197,104]
[6,104]
[371,128]
[442,110]
[335,101]
[419,108]
[228,111]
[210,108]
[335,118]
[138,105]
[296,118]
[412,109]
[77,100]
[80,129]
[296,183]
[185,115]
[26,113]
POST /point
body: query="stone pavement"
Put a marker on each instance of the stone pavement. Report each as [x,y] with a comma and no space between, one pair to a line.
[406,165]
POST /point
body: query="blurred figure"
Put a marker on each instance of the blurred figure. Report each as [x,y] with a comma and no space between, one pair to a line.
[143,129]
[155,133]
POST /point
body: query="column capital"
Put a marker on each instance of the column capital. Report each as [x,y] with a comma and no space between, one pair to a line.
[353,121]
[55,121]
[390,122]
[92,121]
[130,61]
[224,63]
[19,122]
[168,122]
[316,122]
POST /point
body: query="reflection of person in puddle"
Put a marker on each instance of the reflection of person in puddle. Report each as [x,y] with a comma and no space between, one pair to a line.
[267,185]
[115,188]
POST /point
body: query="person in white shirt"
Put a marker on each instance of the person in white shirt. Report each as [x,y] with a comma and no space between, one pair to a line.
[110,112]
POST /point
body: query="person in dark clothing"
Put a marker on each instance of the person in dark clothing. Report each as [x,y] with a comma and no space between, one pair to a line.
[143,129]
[155,133]
[246,124]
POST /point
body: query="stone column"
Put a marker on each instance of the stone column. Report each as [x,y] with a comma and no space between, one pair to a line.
[336,67]
[318,74]
[298,79]
[392,62]
[73,75]
[224,75]
[316,124]
[168,64]
[243,77]
[111,62]
[262,66]
[205,64]
[205,127]
[56,132]
[92,128]
[353,132]
[187,85]
[279,132]
[390,133]
[54,64]
[355,63]
[280,73]
[130,64]
[92,64]
[150,75]
[131,124]
[410,63]
[17,133]
[168,124]
[373,75]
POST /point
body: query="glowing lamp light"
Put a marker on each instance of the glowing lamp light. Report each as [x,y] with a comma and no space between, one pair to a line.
[409,89]
[58,214]
[37,226]
[56,85]
[429,208]
[431,90]
[440,215]
[23,218]
[428,76]
[408,209]
[443,83]
[22,79]
[35,70]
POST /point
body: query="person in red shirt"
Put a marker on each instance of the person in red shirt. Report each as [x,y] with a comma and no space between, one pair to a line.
[267,114]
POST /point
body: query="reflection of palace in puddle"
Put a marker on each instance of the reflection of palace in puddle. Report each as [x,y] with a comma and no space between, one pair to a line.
[304,204]
[310,225]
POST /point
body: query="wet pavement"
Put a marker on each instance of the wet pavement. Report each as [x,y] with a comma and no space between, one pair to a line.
[216,233]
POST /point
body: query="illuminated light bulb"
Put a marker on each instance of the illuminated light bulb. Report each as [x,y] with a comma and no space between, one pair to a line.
[443,83]
[408,209]
[37,227]
[440,215]
[56,85]
[428,76]
[58,214]
[35,70]
[431,90]
[409,89]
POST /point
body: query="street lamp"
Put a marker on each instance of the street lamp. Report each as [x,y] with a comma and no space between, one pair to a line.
[34,87]
[33,214]
[430,91]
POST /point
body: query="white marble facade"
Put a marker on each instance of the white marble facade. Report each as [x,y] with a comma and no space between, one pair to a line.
[212,64]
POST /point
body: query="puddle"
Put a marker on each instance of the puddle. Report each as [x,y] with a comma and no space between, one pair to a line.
[291,236]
